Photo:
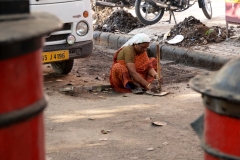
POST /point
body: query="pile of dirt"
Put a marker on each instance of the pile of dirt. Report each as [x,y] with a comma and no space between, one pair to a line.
[197,33]
[100,14]
[120,21]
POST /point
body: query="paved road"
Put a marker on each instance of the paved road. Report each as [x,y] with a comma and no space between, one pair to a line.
[74,124]
[218,18]
[218,8]
[74,120]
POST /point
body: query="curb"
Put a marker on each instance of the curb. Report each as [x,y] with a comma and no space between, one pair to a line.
[79,89]
[173,53]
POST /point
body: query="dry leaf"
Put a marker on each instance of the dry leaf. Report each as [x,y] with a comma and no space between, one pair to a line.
[159,123]
[104,132]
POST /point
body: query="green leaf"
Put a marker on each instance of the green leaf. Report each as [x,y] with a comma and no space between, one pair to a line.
[209,31]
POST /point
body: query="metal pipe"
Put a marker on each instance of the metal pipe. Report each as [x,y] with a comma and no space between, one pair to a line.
[110,4]
[163,5]
[166,6]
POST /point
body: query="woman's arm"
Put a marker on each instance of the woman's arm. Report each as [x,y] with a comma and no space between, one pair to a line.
[133,73]
[153,73]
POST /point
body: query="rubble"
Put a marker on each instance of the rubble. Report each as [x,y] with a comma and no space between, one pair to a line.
[100,14]
[120,21]
[197,33]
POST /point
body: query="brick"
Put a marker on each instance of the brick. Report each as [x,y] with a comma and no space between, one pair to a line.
[122,40]
[104,39]
[96,37]
[113,41]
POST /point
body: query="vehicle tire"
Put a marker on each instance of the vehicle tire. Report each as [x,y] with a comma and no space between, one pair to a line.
[63,67]
[142,7]
[207,8]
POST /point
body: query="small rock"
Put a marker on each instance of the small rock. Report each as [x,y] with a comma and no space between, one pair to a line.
[99,78]
[103,139]
[102,97]
[66,89]
[150,149]
[99,89]
[205,42]
[155,38]
[165,143]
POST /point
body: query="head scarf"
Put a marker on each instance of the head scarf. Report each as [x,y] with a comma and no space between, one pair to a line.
[136,39]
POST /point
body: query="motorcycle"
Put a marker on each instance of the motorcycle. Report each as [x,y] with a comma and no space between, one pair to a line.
[151,11]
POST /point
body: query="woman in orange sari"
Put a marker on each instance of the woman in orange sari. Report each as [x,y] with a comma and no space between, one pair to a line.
[132,69]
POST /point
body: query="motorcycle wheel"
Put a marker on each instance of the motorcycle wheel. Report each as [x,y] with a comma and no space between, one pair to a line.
[146,13]
[207,8]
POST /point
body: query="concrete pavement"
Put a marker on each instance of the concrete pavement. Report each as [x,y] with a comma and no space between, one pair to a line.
[210,56]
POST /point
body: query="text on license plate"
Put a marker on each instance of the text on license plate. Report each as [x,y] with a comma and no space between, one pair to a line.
[55,56]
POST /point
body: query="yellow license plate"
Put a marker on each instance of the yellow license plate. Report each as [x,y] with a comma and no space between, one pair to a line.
[233,1]
[55,56]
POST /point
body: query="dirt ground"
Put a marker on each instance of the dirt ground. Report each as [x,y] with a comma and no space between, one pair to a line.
[111,126]
[105,125]
[94,70]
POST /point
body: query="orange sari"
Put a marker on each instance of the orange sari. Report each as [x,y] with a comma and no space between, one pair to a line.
[119,75]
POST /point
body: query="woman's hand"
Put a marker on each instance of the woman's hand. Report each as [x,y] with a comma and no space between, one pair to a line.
[155,76]
[160,80]
[136,76]
[153,87]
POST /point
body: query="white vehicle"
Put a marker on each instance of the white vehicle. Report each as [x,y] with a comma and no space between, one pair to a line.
[74,40]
